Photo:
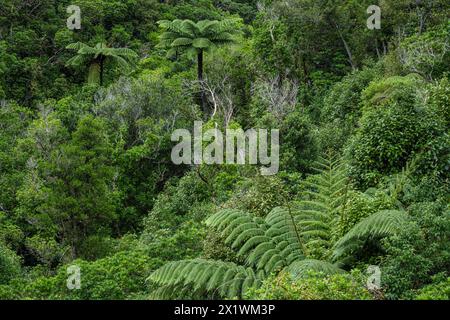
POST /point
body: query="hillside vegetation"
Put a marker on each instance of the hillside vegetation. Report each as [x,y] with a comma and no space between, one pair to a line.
[358,210]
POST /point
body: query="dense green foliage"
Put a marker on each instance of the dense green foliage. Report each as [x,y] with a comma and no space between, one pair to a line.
[87,180]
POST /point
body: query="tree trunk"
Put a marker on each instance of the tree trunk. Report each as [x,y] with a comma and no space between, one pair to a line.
[200,65]
[346,46]
[200,80]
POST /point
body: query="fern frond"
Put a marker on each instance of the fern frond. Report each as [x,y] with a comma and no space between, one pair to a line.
[76,46]
[321,203]
[378,225]
[205,276]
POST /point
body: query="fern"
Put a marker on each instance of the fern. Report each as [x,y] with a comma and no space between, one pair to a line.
[265,245]
[319,211]
[224,279]
[378,225]
[203,35]
[277,243]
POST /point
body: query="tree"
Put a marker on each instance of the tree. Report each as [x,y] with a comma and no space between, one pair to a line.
[9,264]
[196,38]
[97,56]
[69,191]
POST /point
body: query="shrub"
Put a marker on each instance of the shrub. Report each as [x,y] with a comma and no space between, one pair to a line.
[440,99]
[393,128]
[439,290]
[298,146]
[316,286]
[344,99]
[419,251]
[9,264]
[121,276]
[259,195]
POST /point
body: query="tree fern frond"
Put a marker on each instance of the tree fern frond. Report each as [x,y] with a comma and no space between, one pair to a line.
[164,43]
[121,62]
[238,226]
[312,214]
[312,234]
[275,261]
[378,225]
[204,25]
[202,43]
[181,42]
[265,257]
[259,251]
[283,227]
[88,51]
[76,46]
[314,225]
[204,275]
[191,28]
[308,204]
[77,60]
[249,239]
[321,203]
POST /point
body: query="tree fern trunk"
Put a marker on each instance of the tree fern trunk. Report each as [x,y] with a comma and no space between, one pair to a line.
[94,75]
[200,80]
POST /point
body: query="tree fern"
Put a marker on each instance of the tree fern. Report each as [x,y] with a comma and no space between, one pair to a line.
[97,56]
[281,241]
[196,38]
[265,245]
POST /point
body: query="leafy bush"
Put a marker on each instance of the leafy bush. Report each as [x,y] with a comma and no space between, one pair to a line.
[440,99]
[120,276]
[259,195]
[420,250]
[392,129]
[342,108]
[344,99]
[9,264]
[298,146]
[316,286]
[439,290]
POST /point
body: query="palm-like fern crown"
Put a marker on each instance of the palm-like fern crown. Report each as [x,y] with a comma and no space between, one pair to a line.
[280,242]
[192,37]
[86,54]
